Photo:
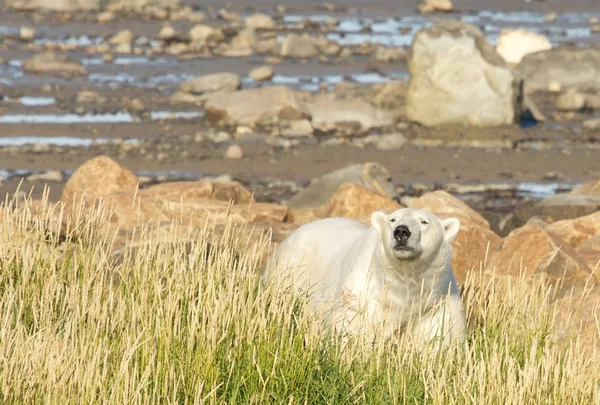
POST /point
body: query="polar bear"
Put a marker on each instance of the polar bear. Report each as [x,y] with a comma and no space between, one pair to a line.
[394,276]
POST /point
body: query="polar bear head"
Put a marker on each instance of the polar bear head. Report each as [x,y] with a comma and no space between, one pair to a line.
[412,233]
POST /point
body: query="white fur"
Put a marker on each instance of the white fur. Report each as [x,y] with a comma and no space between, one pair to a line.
[354,270]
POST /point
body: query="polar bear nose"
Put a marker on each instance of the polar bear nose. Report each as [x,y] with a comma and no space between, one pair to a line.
[401,233]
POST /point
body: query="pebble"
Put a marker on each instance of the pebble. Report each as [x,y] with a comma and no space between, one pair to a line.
[105,16]
[167,33]
[261,73]
[554,87]
[234,152]
[27,33]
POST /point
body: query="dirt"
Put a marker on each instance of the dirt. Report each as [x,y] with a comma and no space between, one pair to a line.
[558,150]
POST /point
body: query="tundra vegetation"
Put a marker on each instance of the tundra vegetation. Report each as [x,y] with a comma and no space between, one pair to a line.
[170,322]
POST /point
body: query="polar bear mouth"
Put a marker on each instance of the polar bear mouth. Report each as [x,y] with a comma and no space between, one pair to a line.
[404,248]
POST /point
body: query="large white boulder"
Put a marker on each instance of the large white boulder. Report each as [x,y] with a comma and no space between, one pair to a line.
[456,77]
[514,44]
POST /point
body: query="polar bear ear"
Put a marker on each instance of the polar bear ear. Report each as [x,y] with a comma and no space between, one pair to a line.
[377,219]
[451,227]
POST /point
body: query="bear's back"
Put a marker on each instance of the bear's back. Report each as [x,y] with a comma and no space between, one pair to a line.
[317,250]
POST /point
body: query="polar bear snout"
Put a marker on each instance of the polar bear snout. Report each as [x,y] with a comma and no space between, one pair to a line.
[401,234]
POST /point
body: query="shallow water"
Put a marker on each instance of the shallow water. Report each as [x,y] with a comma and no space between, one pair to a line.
[60,141]
[37,101]
[114,118]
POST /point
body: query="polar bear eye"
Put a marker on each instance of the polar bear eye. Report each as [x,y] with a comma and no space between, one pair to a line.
[393,220]
[423,222]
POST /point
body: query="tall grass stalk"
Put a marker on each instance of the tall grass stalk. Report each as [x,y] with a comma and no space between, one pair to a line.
[191,323]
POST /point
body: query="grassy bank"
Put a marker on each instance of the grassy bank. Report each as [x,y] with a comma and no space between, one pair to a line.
[175,323]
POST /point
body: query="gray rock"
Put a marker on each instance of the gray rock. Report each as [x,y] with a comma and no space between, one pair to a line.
[203,33]
[299,46]
[458,78]
[328,112]
[54,5]
[570,67]
[212,83]
[552,209]
[387,142]
[571,101]
[261,73]
[369,175]
[570,200]
[55,64]
[234,152]
[139,5]
[385,55]
[253,106]
[260,21]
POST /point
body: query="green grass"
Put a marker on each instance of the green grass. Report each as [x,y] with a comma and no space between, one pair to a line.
[170,326]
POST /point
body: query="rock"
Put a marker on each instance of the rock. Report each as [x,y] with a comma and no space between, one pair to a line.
[576,231]
[386,55]
[391,96]
[591,124]
[187,13]
[471,249]
[205,33]
[554,87]
[591,256]
[432,6]
[514,44]
[296,128]
[458,78]
[387,142]
[261,73]
[51,63]
[573,199]
[122,37]
[537,253]
[474,240]
[591,243]
[87,96]
[590,188]
[234,152]
[592,101]
[98,176]
[252,106]
[211,83]
[445,205]
[50,176]
[140,5]
[128,212]
[27,33]
[106,17]
[570,101]
[372,176]
[200,190]
[328,112]
[54,5]
[351,200]
[167,33]
[571,67]
[260,21]
[245,39]
[268,46]
[299,46]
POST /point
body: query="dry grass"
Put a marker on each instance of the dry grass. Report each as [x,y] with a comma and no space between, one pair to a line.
[167,325]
